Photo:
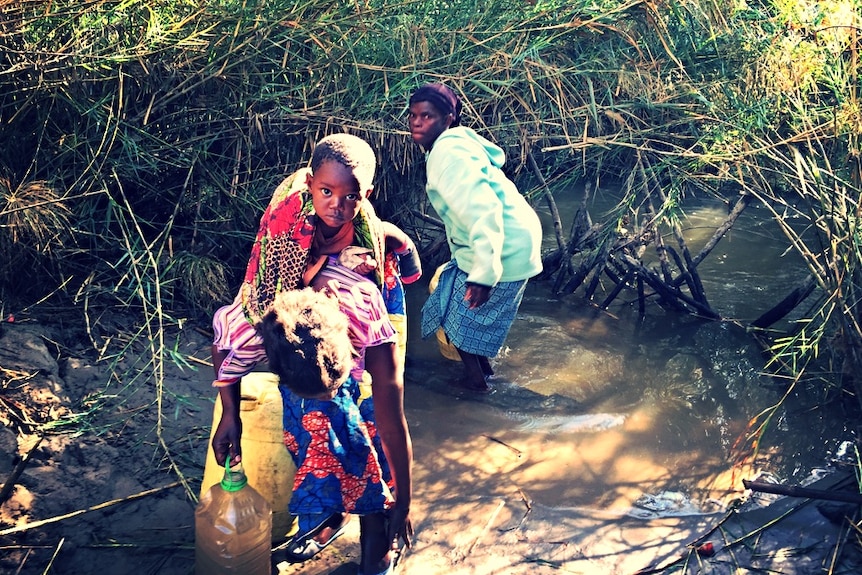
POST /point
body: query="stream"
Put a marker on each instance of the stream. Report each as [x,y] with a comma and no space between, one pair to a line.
[606,409]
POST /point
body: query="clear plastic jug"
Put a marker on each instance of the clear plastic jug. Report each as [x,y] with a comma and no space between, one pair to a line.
[233,526]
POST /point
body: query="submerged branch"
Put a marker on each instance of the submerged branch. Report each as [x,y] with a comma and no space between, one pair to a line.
[806,492]
[735,212]
[549,198]
[787,305]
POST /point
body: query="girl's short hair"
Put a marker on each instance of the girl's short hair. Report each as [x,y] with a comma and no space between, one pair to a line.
[351,152]
[307,342]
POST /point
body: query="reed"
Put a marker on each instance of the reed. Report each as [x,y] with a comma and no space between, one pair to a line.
[155,132]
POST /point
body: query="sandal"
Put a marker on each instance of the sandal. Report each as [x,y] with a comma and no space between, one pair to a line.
[303,548]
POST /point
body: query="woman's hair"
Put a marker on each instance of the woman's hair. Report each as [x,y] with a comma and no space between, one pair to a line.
[351,152]
[442,98]
[307,342]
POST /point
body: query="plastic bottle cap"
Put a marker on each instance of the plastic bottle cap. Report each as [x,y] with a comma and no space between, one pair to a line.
[234,477]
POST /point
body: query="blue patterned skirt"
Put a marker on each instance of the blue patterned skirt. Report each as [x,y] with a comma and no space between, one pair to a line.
[480,331]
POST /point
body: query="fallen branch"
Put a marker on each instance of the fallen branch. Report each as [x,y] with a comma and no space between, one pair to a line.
[487,527]
[41,522]
[12,479]
[692,547]
[514,450]
[807,492]
[528,503]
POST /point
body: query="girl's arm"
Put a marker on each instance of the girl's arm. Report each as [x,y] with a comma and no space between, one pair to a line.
[226,439]
[396,239]
[388,395]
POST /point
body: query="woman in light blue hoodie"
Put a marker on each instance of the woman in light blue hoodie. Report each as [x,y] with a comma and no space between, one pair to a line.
[494,235]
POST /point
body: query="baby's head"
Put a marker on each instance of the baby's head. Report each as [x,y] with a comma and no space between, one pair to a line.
[305,335]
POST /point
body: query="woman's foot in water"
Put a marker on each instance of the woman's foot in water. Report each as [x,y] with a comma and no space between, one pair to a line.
[475,376]
[486,365]
[474,386]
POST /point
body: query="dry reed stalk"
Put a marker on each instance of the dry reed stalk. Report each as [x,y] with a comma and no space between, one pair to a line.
[106,504]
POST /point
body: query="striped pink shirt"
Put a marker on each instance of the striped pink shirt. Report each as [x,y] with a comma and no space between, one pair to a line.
[358,297]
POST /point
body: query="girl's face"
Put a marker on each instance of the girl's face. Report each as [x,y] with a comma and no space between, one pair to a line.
[427,123]
[335,195]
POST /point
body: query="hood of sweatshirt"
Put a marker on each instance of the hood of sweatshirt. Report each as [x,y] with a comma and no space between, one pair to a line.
[495,153]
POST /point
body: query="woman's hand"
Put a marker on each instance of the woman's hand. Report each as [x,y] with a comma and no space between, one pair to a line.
[477,295]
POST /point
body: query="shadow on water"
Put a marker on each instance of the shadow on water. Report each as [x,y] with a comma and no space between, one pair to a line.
[606,409]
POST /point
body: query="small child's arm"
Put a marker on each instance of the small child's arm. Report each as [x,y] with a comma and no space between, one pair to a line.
[408,256]
[357,259]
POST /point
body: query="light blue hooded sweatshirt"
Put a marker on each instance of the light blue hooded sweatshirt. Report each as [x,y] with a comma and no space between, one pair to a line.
[494,234]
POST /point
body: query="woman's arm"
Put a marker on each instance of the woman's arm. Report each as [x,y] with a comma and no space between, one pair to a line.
[388,395]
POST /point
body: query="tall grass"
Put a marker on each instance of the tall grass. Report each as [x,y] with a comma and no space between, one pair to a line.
[156,130]
[207,109]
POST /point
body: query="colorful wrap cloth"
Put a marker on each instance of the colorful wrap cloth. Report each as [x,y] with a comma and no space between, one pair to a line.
[286,252]
[340,465]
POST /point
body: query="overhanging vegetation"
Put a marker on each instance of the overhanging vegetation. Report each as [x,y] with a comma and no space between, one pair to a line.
[141,139]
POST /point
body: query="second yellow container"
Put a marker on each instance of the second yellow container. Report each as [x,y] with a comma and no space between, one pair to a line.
[447,350]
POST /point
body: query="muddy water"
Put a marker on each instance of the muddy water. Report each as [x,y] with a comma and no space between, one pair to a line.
[608,410]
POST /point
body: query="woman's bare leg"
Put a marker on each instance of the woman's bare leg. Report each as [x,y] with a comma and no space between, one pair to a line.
[474,373]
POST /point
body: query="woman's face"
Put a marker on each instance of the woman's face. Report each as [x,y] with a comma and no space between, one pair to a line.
[427,123]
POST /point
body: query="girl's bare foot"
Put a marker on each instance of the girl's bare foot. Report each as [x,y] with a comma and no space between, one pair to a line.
[299,549]
[336,521]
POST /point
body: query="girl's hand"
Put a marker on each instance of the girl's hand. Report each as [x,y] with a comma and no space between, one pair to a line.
[400,526]
[226,440]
